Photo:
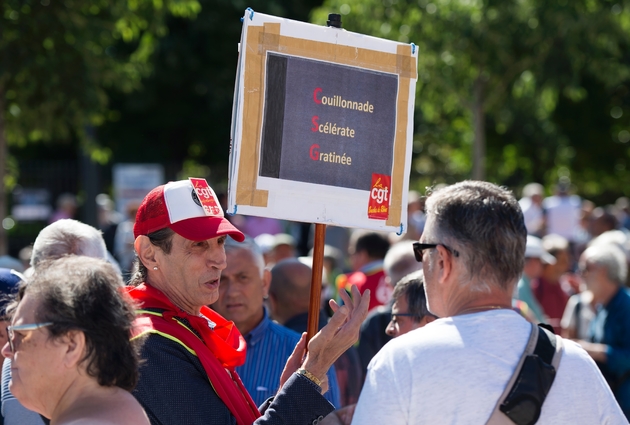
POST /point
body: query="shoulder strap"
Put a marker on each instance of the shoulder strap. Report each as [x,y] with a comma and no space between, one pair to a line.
[576,314]
[497,417]
[525,392]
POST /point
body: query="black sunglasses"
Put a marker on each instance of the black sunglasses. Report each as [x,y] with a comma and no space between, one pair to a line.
[419,247]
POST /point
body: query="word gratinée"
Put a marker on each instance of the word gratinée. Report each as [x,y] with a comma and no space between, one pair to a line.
[329,157]
[340,102]
[331,128]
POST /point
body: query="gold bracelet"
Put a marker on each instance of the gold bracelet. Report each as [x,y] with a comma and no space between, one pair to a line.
[308,375]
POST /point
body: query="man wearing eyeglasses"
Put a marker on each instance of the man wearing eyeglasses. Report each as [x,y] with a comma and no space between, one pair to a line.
[409,310]
[455,370]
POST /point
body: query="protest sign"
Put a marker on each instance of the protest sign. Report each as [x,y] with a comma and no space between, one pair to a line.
[322,125]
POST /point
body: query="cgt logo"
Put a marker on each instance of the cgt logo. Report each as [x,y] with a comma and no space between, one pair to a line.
[378,205]
[203,196]
[379,192]
[204,192]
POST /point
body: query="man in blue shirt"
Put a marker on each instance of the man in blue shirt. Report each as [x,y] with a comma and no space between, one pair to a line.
[604,270]
[244,286]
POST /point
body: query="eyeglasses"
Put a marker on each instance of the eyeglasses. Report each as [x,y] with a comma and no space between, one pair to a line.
[586,269]
[24,328]
[404,314]
[419,247]
[395,316]
[417,316]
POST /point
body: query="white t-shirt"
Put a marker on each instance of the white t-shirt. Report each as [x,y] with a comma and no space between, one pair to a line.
[454,370]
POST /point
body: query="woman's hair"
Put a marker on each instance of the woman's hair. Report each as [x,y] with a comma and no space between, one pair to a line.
[83,293]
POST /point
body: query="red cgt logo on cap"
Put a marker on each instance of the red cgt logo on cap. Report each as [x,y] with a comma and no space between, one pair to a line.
[206,197]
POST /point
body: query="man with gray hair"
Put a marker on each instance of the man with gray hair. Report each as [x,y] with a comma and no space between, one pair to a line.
[244,285]
[63,237]
[604,270]
[68,236]
[457,369]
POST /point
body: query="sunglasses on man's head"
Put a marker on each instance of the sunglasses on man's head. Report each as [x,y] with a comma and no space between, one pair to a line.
[419,247]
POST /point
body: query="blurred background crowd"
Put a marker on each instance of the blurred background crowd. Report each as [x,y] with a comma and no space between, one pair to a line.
[512,93]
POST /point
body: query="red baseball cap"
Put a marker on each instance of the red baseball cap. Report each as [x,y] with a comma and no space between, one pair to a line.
[189,207]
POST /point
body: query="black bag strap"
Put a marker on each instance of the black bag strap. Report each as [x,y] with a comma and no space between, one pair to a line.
[525,392]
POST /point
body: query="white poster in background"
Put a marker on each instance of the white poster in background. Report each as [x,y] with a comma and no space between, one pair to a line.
[322,125]
[132,182]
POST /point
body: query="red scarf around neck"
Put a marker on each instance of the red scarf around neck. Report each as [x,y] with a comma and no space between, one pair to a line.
[219,349]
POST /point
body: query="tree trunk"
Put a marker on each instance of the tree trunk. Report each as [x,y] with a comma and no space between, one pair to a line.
[4,152]
[479,142]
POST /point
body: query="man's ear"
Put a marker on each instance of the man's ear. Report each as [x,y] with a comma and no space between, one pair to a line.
[445,263]
[75,341]
[428,318]
[145,250]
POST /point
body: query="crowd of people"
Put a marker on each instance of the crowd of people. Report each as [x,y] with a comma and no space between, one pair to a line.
[205,322]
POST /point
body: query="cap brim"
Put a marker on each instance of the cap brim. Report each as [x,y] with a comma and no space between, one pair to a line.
[202,228]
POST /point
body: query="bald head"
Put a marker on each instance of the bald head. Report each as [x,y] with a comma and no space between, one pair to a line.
[400,261]
[289,290]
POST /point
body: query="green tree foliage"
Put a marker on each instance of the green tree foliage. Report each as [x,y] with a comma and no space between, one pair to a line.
[544,82]
[58,58]
[183,111]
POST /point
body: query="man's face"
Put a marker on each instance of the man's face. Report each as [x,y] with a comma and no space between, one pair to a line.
[591,274]
[358,259]
[429,266]
[533,268]
[563,262]
[282,252]
[243,287]
[537,199]
[400,323]
[192,270]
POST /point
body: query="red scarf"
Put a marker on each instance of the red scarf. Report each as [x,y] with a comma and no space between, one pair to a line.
[219,349]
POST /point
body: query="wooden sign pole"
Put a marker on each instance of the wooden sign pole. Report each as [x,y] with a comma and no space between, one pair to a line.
[334,20]
[316,281]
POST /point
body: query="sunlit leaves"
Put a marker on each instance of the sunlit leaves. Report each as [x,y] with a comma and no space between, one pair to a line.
[57,59]
[554,74]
